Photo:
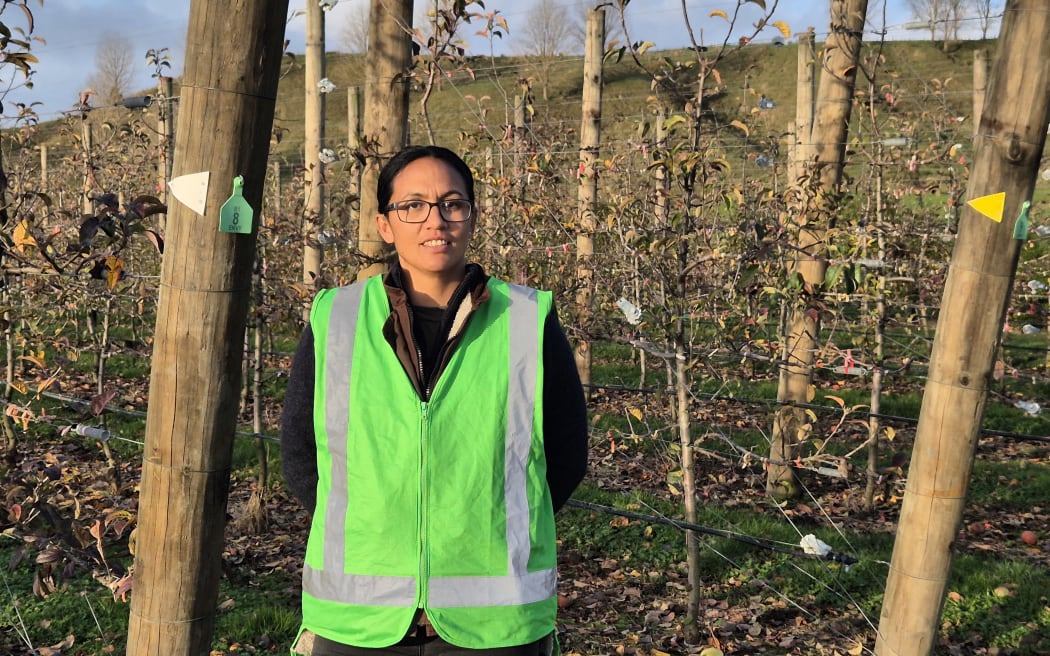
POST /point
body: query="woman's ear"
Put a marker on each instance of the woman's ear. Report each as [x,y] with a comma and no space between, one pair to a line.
[383,225]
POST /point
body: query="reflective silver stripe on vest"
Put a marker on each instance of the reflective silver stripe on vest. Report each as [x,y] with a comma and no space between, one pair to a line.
[516,588]
[360,589]
[331,583]
[459,591]
[521,403]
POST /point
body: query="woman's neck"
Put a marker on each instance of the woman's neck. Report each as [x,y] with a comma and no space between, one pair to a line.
[430,292]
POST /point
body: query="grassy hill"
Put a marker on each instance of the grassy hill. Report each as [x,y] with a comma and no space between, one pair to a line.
[479,102]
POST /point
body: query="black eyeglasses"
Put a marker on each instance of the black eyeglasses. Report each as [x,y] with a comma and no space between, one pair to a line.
[455,210]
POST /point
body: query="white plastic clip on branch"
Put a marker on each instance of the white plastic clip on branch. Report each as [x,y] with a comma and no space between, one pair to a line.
[326,5]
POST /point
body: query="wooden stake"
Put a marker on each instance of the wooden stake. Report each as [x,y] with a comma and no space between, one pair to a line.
[823,162]
[227,105]
[1009,145]
[587,192]
[385,127]
[314,210]
[980,84]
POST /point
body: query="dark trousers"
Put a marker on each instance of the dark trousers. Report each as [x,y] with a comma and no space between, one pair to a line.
[431,646]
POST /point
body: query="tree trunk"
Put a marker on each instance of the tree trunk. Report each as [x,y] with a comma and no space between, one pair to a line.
[1008,149]
[227,103]
[823,161]
[587,192]
[691,624]
[385,127]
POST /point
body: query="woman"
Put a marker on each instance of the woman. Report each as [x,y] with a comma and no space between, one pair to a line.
[434,422]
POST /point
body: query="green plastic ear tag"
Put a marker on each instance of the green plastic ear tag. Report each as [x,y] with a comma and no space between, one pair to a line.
[236,213]
[1021,227]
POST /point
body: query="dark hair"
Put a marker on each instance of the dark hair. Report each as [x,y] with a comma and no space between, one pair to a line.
[397,163]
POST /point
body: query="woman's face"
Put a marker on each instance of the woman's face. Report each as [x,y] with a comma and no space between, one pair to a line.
[436,248]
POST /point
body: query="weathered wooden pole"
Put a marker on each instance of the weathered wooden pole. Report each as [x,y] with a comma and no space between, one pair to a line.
[587,192]
[385,124]
[313,141]
[353,139]
[824,158]
[805,88]
[87,141]
[980,86]
[166,135]
[43,166]
[227,103]
[1006,160]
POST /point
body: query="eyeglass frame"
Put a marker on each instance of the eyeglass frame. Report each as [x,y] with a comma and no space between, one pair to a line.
[393,207]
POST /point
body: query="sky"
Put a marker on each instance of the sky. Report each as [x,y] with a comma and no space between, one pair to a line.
[70,32]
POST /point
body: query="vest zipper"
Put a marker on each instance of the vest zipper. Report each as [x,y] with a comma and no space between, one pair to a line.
[424,384]
[424,567]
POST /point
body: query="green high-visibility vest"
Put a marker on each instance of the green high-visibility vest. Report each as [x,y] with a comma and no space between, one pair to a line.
[439,504]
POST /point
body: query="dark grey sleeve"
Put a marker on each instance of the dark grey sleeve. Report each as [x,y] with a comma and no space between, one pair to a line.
[298,449]
[564,415]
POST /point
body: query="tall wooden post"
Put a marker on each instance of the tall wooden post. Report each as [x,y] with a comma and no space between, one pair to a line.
[824,161]
[587,193]
[43,166]
[980,85]
[314,209]
[227,104]
[353,141]
[805,87]
[166,134]
[387,61]
[87,142]
[1006,160]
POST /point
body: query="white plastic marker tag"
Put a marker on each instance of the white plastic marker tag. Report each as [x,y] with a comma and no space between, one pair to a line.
[191,190]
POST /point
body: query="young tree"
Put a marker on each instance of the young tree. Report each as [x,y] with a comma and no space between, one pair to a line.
[941,16]
[986,11]
[548,31]
[113,68]
[354,34]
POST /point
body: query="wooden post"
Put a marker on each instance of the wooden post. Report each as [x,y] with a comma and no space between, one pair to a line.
[166,134]
[587,192]
[805,87]
[1006,160]
[314,209]
[824,161]
[227,105]
[980,84]
[520,133]
[43,166]
[87,142]
[353,141]
[387,61]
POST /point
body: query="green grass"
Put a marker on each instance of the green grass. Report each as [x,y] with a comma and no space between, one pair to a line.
[1001,602]
[83,609]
